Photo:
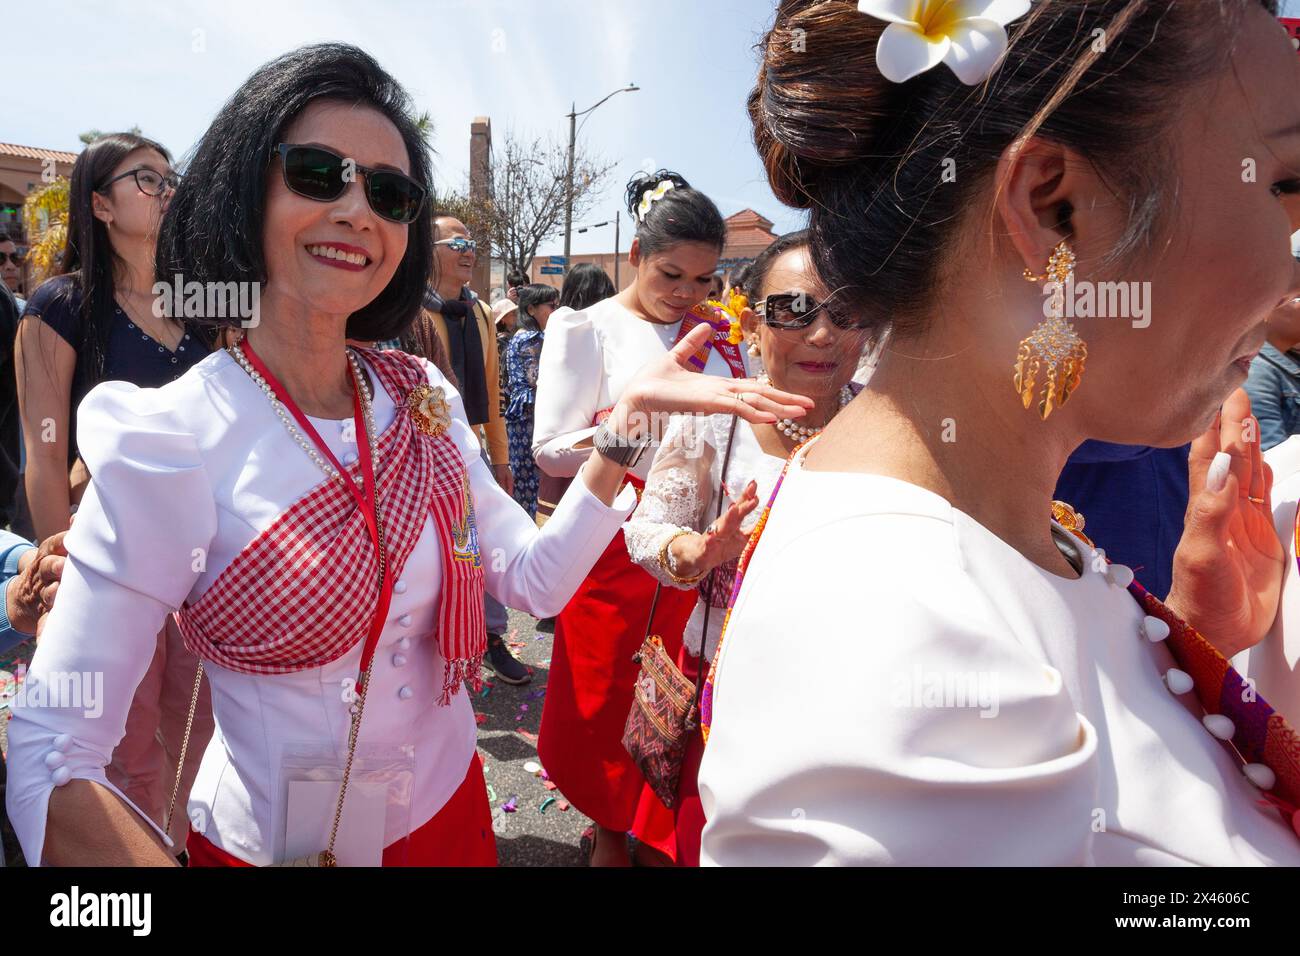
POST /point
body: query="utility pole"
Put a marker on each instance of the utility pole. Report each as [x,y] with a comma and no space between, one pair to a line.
[568,188]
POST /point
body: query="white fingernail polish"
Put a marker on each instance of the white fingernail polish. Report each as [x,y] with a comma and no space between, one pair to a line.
[1217,475]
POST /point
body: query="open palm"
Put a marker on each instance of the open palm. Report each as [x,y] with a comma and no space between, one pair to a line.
[1228,567]
[669,384]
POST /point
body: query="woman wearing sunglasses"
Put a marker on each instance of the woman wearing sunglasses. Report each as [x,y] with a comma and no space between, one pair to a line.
[97,323]
[589,358]
[689,529]
[319,517]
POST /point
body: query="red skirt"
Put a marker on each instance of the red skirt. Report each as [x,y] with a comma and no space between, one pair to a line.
[591,683]
[677,832]
[460,834]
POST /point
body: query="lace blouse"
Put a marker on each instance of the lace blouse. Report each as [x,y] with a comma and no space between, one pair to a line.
[681,492]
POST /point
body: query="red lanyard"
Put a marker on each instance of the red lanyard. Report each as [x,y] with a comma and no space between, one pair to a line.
[366,502]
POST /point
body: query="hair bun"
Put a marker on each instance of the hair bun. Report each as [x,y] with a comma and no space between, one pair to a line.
[820,99]
[643,183]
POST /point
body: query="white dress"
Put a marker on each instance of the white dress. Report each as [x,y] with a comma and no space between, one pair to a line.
[681,492]
[932,697]
[185,476]
[587,361]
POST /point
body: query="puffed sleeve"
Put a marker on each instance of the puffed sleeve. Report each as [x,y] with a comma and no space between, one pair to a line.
[677,493]
[531,569]
[568,390]
[839,736]
[133,554]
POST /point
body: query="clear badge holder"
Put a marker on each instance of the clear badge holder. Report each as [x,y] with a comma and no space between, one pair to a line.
[378,801]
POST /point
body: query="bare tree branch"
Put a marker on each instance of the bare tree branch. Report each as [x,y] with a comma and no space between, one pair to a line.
[525,202]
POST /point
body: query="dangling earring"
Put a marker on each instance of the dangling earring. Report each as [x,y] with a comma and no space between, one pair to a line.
[754,351]
[1053,342]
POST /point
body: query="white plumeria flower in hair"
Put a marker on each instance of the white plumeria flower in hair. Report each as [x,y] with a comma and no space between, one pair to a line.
[649,198]
[968,35]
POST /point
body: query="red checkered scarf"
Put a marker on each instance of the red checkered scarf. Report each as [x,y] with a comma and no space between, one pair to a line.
[303,592]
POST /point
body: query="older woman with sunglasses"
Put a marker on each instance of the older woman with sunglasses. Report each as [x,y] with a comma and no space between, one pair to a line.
[692,522]
[318,517]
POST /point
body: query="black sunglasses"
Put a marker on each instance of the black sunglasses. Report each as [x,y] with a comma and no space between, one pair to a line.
[148,181]
[319,174]
[798,310]
[15,257]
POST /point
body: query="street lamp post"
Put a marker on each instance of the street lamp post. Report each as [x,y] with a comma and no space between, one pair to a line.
[568,191]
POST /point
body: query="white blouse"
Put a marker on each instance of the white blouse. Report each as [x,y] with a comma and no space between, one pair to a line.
[681,492]
[185,476]
[933,697]
[587,361]
[1274,663]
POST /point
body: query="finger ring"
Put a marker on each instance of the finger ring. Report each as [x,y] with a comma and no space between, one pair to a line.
[1252,498]
[744,397]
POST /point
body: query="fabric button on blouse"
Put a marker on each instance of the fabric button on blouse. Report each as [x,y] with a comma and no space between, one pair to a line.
[404,620]
[399,587]
[406,693]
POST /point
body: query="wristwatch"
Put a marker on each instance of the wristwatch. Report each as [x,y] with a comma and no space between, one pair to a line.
[619,450]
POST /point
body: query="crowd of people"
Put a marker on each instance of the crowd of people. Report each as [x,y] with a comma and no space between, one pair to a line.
[869,552]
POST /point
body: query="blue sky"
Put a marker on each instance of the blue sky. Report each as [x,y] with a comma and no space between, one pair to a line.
[114,64]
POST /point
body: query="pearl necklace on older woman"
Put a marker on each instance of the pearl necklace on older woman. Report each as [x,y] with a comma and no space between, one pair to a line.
[366,409]
[801,433]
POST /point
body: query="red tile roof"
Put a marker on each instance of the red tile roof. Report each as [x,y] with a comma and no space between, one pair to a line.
[33,152]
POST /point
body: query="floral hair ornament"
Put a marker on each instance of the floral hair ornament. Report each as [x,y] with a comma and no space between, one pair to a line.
[968,35]
[653,196]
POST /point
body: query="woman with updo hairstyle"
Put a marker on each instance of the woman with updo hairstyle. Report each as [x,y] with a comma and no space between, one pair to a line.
[1016,698]
[317,517]
[589,357]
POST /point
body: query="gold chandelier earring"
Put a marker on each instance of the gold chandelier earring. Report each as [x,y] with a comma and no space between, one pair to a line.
[1053,348]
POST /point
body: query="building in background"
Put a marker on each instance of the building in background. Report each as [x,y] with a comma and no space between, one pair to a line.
[748,234]
[22,170]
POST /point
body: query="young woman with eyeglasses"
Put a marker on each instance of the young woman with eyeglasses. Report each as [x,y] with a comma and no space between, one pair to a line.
[96,323]
[680,533]
[319,518]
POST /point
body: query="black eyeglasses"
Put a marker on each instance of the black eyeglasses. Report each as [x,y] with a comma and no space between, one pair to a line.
[15,257]
[320,174]
[798,310]
[148,181]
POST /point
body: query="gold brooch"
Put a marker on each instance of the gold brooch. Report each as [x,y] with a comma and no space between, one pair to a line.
[429,409]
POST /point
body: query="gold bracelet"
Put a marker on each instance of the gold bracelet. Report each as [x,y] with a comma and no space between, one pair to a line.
[665,561]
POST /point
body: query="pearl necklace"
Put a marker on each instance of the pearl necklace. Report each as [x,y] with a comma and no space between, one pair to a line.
[367,412]
[801,433]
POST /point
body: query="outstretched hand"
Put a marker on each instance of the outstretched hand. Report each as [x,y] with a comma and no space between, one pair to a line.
[668,384]
[1228,567]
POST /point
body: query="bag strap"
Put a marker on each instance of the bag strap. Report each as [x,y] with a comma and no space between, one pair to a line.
[708,605]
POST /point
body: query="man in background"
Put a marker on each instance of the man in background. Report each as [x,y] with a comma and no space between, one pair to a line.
[11,268]
[466,332]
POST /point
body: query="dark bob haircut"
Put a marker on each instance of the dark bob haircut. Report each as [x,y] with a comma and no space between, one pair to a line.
[212,231]
[682,214]
[530,297]
[584,286]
